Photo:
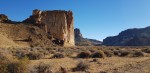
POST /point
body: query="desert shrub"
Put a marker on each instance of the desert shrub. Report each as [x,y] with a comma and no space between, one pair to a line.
[20,66]
[58,55]
[81,66]
[116,52]
[35,55]
[20,55]
[99,54]
[43,68]
[121,53]
[138,54]
[84,55]
[108,53]
[5,59]
[62,70]
[102,72]
[3,66]
[146,50]
[94,60]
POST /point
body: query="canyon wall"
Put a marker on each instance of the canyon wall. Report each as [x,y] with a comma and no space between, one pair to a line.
[57,23]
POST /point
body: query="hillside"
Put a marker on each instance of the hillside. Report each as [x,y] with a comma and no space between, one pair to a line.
[21,35]
[130,37]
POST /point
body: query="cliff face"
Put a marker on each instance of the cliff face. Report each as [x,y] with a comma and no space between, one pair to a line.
[79,40]
[130,37]
[59,24]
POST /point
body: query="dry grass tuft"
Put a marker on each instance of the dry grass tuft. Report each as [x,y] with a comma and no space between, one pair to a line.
[43,68]
[20,66]
[81,66]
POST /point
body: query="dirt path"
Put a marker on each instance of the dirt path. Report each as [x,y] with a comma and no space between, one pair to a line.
[138,67]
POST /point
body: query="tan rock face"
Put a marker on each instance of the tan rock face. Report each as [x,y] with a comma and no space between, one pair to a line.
[57,23]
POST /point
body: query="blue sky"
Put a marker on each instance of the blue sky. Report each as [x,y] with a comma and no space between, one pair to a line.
[96,19]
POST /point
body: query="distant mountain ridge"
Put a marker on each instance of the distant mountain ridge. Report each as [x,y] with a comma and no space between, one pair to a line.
[95,42]
[130,37]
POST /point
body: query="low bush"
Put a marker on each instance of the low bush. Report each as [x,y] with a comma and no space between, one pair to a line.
[3,66]
[58,55]
[99,54]
[5,60]
[20,66]
[62,70]
[121,53]
[108,53]
[43,68]
[146,50]
[81,66]
[35,55]
[138,54]
[84,55]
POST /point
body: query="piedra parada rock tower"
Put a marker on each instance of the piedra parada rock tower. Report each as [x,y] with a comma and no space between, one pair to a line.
[58,23]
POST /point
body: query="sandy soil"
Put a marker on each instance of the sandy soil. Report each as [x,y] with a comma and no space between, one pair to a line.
[109,65]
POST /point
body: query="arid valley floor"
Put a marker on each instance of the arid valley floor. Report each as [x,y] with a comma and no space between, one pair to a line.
[92,59]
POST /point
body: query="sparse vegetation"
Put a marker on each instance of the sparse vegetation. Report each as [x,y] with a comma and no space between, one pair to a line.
[138,54]
[16,60]
[108,53]
[58,55]
[62,70]
[147,50]
[99,54]
[3,66]
[121,53]
[20,66]
[81,66]
[43,68]
[84,55]
[35,55]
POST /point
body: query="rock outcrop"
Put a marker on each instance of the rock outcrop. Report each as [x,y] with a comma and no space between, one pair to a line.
[79,40]
[130,37]
[57,23]
[3,18]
